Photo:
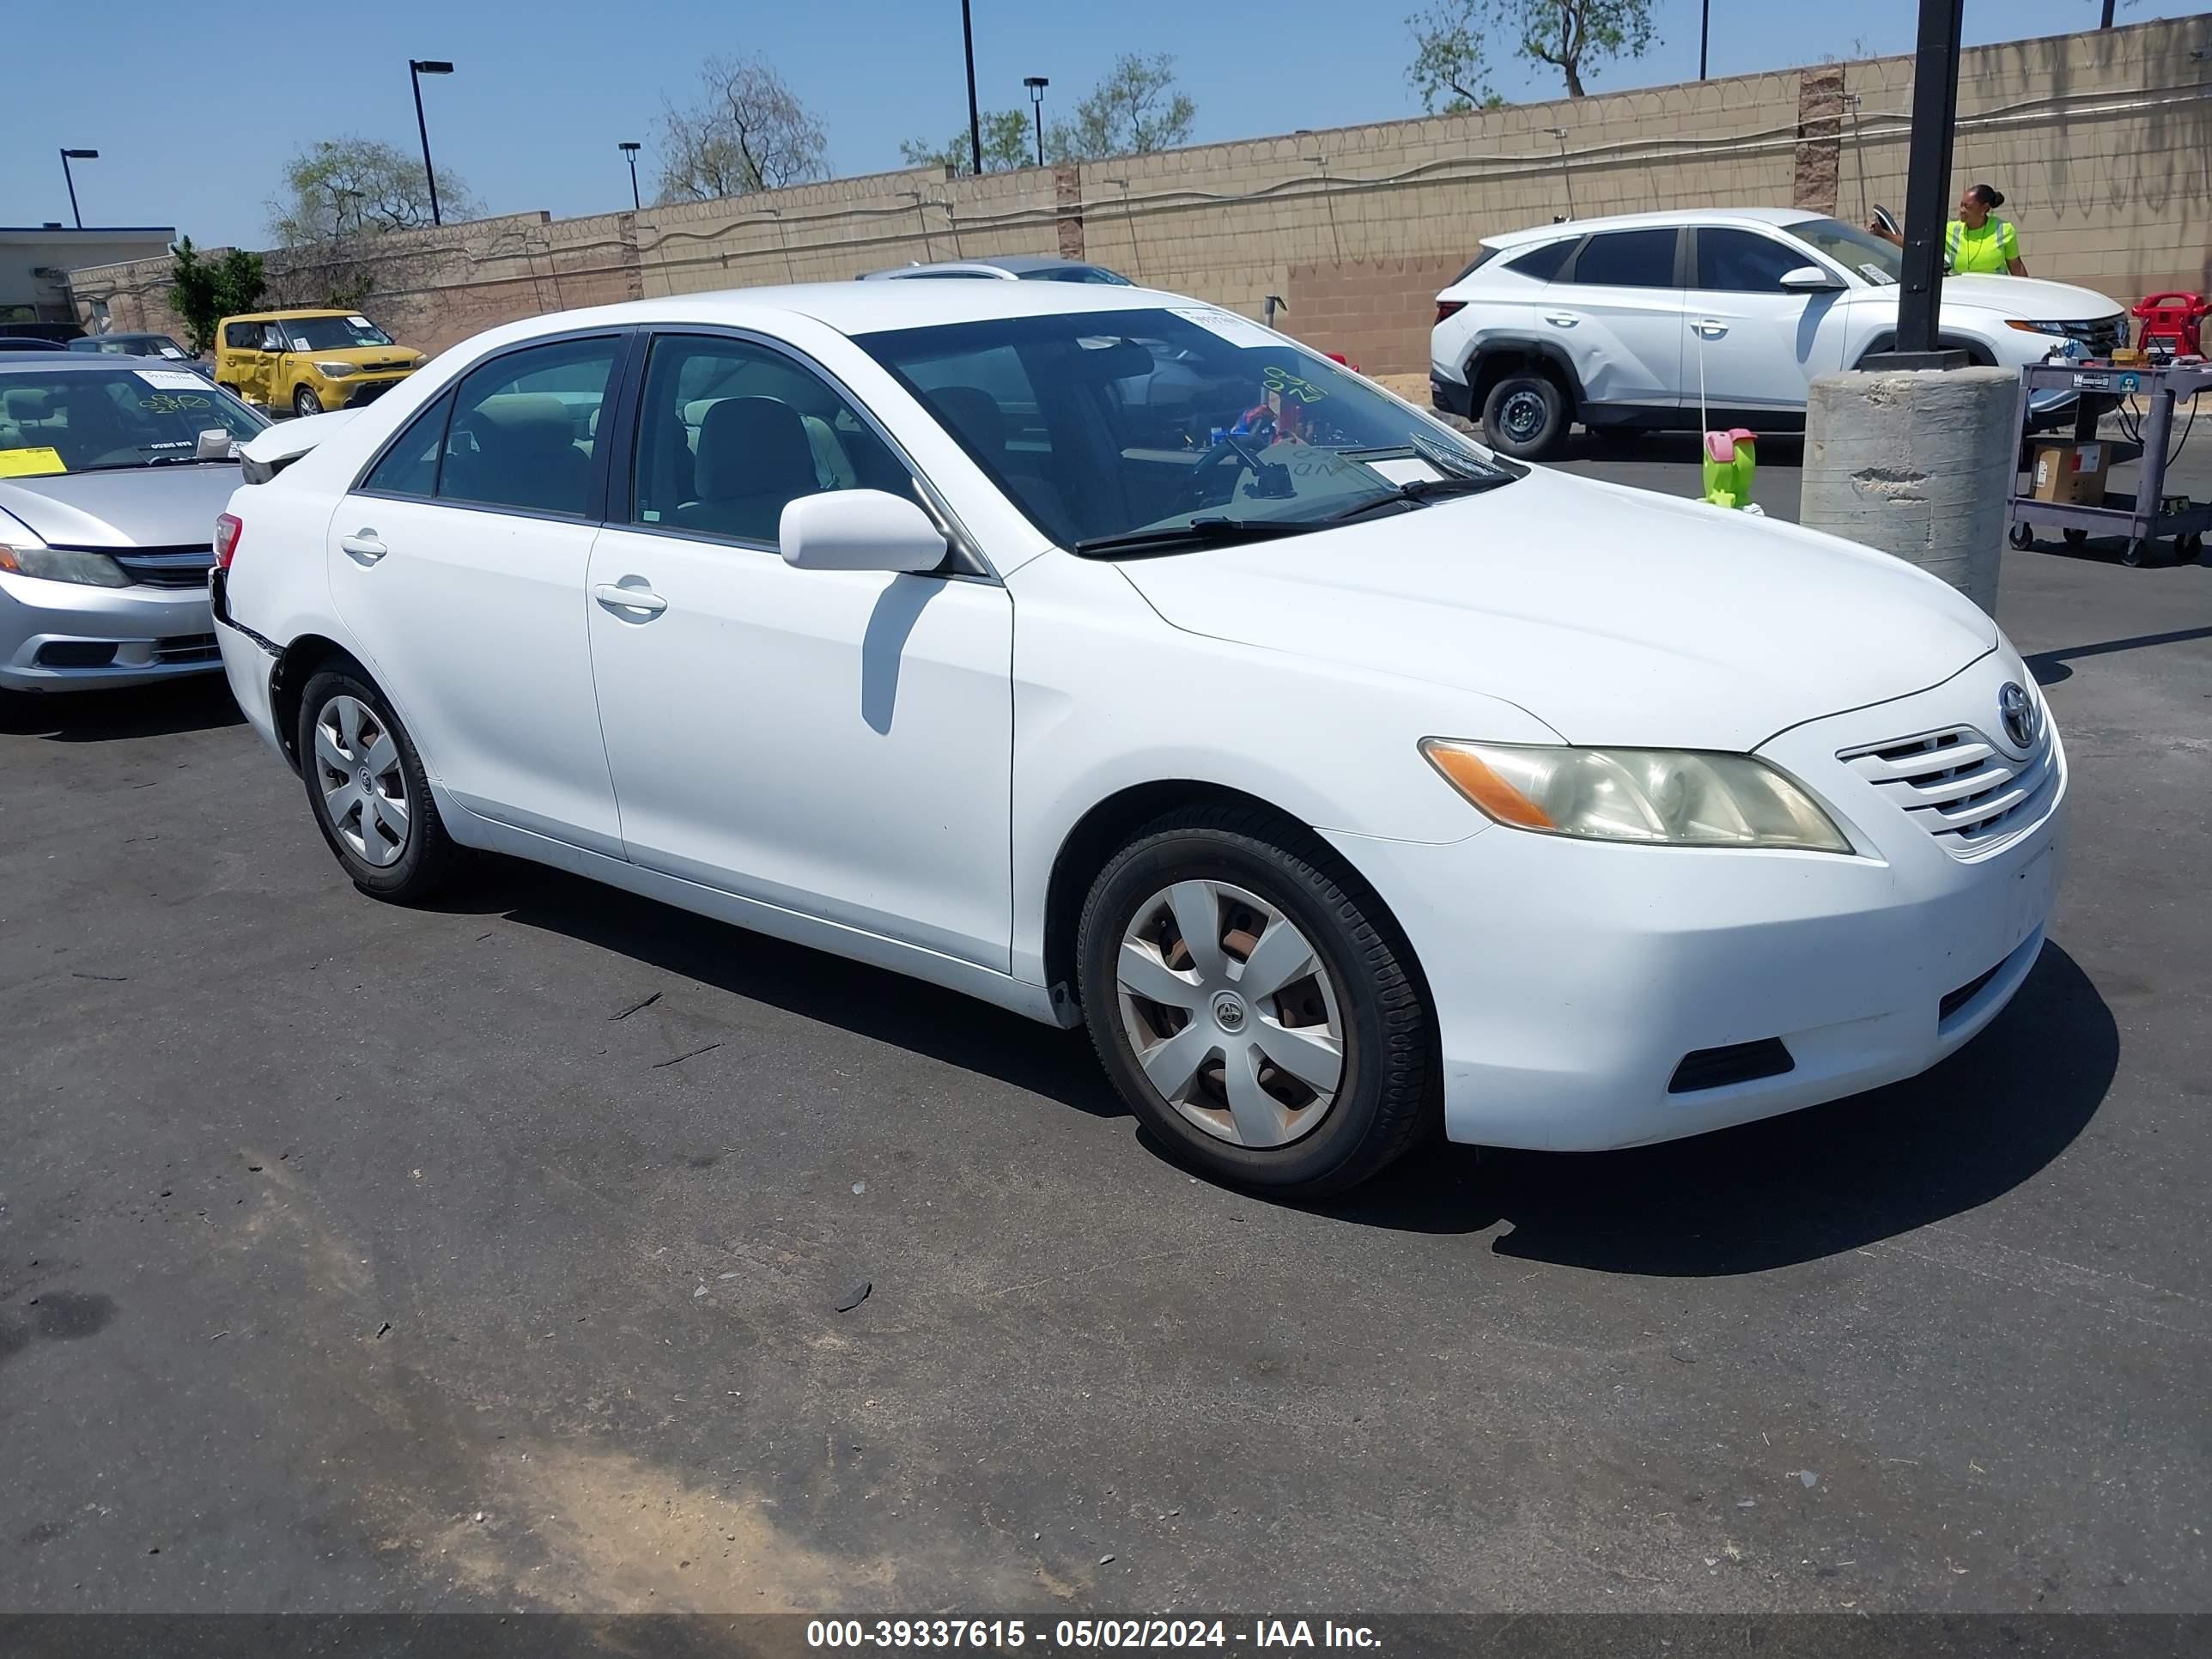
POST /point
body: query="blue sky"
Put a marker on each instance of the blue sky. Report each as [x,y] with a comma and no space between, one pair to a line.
[543,91]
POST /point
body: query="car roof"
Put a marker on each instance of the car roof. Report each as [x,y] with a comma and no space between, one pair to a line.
[855,308]
[1665,219]
[987,265]
[76,362]
[288,315]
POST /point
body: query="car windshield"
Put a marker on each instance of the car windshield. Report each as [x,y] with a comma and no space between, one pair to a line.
[1111,424]
[331,333]
[130,345]
[92,420]
[1077,274]
[1862,252]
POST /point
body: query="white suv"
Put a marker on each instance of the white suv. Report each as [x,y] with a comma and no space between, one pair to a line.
[1606,321]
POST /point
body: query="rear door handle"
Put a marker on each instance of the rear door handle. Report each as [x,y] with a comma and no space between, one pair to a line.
[1561,319]
[363,546]
[1711,327]
[638,605]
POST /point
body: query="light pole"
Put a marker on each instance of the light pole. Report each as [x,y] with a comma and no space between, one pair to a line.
[629,148]
[975,117]
[1705,33]
[1928,183]
[1036,84]
[416,69]
[69,179]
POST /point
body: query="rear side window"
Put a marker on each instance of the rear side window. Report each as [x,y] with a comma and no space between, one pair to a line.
[1542,263]
[410,467]
[1743,261]
[524,426]
[1628,259]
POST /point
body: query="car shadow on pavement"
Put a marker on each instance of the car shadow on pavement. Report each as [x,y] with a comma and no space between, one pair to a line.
[869,1002]
[2051,667]
[1794,1188]
[200,704]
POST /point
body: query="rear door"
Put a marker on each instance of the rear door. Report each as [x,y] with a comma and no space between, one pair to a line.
[1617,311]
[460,563]
[1757,343]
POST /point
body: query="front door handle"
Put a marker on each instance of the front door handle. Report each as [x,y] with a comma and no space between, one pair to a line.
[637,604]
[1711,327]
[1561,319]
[363,547]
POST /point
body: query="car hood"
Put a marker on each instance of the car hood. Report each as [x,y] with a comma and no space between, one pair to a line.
[136,507]
[378,359]
[1614,615]
[2029,298]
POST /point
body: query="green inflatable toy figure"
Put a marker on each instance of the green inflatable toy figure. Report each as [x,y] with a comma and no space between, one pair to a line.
[1730,460]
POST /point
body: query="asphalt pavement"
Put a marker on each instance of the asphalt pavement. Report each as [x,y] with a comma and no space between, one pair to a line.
[500,1255]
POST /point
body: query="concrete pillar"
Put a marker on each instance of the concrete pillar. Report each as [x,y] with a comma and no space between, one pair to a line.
[1917,464]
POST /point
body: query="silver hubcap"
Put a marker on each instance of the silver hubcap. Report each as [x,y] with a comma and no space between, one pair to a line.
[1231,1014]
[357,764]
[1521,416]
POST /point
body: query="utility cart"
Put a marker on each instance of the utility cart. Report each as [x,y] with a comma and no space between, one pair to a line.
[2148,516]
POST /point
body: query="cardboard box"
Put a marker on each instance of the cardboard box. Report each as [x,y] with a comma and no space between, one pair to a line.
[2067,470]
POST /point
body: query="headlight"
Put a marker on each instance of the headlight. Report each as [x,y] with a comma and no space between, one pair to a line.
[336,371]
[55,564]
[1667,797]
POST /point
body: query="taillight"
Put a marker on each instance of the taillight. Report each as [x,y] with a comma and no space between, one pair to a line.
[227,530]
[1449,308]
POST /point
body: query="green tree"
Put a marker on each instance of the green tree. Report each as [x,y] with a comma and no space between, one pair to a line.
[1137,108]
[747,132]
[1006,146]
[202,292]
[1572,36]
[343,188]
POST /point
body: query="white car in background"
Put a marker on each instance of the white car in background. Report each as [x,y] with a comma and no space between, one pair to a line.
[1343,778]
[1611,322]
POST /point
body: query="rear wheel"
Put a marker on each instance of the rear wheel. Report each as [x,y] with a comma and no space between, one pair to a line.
[1259,1015]
[368,793]
[305,403]
[1525,416]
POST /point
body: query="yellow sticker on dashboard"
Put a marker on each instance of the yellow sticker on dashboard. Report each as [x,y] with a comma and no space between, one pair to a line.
[29,463]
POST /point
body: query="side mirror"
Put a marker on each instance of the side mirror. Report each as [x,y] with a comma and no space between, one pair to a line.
[1808,279]
[859,529]
[212,445]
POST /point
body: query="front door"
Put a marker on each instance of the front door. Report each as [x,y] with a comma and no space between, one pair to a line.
[1757,343]
[833,743]
[460,564]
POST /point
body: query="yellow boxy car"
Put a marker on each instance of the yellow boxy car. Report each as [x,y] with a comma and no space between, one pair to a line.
[308,362]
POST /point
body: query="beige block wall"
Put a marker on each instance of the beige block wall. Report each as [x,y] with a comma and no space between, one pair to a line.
[2102,141]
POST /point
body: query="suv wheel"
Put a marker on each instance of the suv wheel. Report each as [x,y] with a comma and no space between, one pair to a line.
[1260,1017]
[1525,416]
[305,403]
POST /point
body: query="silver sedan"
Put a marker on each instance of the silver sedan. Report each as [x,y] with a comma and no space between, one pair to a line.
[112,472]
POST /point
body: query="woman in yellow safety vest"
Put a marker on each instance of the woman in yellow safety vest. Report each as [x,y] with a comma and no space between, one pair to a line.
[1977,242]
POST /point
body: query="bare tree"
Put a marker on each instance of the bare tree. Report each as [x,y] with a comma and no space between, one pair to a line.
[1137,108]
[1569,35]
[1006,135]
[347,187]
[747,132]
[1451,69]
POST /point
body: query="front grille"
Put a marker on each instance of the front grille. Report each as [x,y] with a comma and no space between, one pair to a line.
[1960,788]
[177,567]
[2103,336]
[369,393]
[187,648]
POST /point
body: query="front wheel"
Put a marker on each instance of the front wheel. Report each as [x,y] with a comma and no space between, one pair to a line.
[305,403]
[1525,416]
[367,790]
[1261,1016]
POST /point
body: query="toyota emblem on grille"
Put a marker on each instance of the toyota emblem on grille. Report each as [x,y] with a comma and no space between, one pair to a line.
[2023,720]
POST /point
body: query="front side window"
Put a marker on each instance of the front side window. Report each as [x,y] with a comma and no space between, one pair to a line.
[515,440]
[1105,424]
[242,336]
[1627,259]
[730,432]
[1743,261]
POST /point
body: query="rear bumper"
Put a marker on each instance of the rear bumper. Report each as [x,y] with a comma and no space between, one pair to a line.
[1452,397]
[64,636]
[249,663]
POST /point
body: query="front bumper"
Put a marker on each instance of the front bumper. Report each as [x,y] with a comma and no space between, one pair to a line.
[355,390]
[65,637]
[1571,980]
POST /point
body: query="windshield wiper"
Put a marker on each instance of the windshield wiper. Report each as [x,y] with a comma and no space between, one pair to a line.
[1199,533]
[1419,490]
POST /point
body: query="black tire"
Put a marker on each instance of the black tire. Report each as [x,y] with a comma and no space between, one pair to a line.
[2188,550]
[2136,552]
[1525,415]
[428,859]
[1382,1104]
[2075,538]
[304,402]
[2021,536]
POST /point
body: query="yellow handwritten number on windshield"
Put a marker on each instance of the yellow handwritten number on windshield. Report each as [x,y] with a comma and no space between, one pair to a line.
[1281,380]
[170,403]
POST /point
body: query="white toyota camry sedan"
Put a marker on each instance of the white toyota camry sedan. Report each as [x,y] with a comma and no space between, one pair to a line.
[1122,663]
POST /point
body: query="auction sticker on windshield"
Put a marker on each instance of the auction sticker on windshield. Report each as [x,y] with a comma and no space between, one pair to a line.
[171,379]
[29,463]
[1228,326]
